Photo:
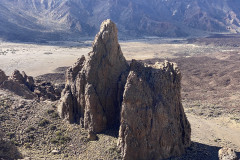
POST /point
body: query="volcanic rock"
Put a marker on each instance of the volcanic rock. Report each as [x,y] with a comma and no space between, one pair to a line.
[153,122]
[94,85]
[18,83]
[92,136]
[25,86]
[3,77]
[18,77]
[22,78]
[227,154]
[46,90]
[18,89]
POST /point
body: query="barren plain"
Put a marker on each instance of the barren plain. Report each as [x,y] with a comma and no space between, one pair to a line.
[210,70]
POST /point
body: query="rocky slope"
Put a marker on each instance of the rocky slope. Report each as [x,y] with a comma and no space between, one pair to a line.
[55,19]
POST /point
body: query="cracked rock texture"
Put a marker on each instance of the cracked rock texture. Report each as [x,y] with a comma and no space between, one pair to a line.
[153,122]
[94,87]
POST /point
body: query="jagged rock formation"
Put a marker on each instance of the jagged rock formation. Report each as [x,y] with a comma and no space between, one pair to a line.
[153,122]
[20,84]
[46,90]
[23,79]
[3,77]
[94,86]
[25,86]
[227,154]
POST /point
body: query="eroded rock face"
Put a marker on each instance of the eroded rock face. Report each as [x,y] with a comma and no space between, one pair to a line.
[92,95]
[100,87]
[3,77]
[153,122]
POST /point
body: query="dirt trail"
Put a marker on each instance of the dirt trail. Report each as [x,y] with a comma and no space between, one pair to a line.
[218,132]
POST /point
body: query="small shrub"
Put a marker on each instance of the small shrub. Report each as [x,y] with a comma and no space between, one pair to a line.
[30,138]
[54,141]
[29,129]
[44,122]
[15,142]
[58,133]
[53,127]
[11,135]
[50,111]
[44,142]
[64,139]
[60,138]
[55,115]
[27,145]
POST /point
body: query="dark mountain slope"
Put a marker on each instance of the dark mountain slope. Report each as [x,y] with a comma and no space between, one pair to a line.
[63,19]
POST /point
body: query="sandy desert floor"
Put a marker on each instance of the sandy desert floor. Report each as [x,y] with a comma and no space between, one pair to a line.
[210,79]
[41,59]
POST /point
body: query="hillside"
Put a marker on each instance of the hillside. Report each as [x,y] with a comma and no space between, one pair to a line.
[33,20]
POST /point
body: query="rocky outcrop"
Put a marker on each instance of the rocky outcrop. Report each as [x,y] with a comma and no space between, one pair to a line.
[3,77]
[20,84]
[94,86]
[18,89]
[227,154]
[153,122]
[102,91]
[22,78]
[25,86]
[46,90]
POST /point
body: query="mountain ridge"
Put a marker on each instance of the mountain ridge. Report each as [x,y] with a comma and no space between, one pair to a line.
[69,19]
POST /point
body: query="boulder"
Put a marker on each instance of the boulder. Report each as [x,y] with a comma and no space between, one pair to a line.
[92,136]
[18,77]
[227,154]
[94,85]
[3,77]
[153,122]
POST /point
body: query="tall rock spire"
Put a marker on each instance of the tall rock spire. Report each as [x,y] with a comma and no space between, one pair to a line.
[92,95]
